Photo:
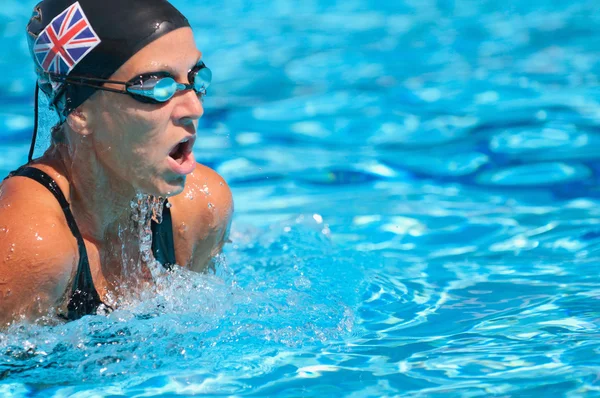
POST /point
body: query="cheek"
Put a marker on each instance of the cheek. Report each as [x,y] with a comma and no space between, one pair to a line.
[133,130]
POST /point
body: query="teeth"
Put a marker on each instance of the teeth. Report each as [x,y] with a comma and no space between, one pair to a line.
[184,140]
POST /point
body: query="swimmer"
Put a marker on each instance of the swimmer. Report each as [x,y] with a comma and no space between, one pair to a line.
[127,83]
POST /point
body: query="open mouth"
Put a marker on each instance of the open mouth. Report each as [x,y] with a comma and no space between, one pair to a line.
[181,157]
[179,152]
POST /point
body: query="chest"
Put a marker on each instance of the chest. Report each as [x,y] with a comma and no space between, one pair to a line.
[119,269]
[122,261]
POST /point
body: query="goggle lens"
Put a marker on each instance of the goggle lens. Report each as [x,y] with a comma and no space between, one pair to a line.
[165,89]
[157,89]
[202,78]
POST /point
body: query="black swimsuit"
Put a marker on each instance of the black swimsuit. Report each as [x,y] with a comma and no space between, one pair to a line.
[85,299]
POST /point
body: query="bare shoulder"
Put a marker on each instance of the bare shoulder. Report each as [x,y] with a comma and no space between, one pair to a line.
[206,199]
[37,251]
[201,217]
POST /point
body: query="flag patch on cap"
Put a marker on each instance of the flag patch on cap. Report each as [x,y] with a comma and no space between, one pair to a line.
[65,41]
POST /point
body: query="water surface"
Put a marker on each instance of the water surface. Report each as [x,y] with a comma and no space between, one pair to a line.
[416,190]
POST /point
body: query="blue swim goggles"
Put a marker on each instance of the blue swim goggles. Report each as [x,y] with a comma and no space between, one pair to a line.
[150,88]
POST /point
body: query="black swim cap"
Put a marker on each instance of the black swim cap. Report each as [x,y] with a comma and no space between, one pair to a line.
[92,38]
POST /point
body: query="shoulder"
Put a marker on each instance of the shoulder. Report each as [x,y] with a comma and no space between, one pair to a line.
[202,215]
[206,198]
[37,251]
[28,209]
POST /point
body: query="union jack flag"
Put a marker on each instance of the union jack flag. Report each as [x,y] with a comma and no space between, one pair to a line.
[65,41]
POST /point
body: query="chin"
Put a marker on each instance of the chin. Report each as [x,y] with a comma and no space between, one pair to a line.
[162,185]
[163,188]
[172,187]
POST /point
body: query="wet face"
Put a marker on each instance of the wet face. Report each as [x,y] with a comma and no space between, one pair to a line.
[148,146]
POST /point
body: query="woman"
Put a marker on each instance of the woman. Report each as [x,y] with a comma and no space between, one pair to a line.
[126,79]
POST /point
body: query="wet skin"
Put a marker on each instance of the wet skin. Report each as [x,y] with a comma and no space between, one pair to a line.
[115,146]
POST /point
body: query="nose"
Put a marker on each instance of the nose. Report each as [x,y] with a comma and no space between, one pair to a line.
[188,108]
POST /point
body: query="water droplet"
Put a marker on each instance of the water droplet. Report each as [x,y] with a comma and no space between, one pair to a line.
[182,228]
[302,283]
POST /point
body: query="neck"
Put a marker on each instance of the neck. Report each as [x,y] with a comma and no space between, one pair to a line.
[100,202]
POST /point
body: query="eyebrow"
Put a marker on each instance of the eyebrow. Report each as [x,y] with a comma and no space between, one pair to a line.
[168,69]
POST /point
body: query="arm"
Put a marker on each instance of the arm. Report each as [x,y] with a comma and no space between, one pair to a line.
[202,216]
[36,257]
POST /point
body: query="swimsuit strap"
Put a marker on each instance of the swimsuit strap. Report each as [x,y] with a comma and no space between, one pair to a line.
[163,246]
[84,299]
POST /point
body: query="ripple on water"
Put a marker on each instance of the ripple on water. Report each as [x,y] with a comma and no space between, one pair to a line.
[335,103]
[536,174]
[410,130]
[554,142]
[15,127]
[327,68]
[438,163]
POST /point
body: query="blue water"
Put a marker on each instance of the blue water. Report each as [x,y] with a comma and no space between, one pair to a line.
[417,210]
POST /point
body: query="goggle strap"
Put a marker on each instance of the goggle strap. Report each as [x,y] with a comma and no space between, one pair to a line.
[81,83]
[82,79]
[35,122]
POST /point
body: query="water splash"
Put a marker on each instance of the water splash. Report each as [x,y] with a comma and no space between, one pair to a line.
[139,269]
[252,306]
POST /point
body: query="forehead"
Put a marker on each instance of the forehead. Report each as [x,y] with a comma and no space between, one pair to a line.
[175,52]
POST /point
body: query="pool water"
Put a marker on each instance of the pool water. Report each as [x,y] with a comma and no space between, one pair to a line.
[417,210]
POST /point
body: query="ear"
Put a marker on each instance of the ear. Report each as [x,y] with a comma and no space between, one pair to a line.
[78,122]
